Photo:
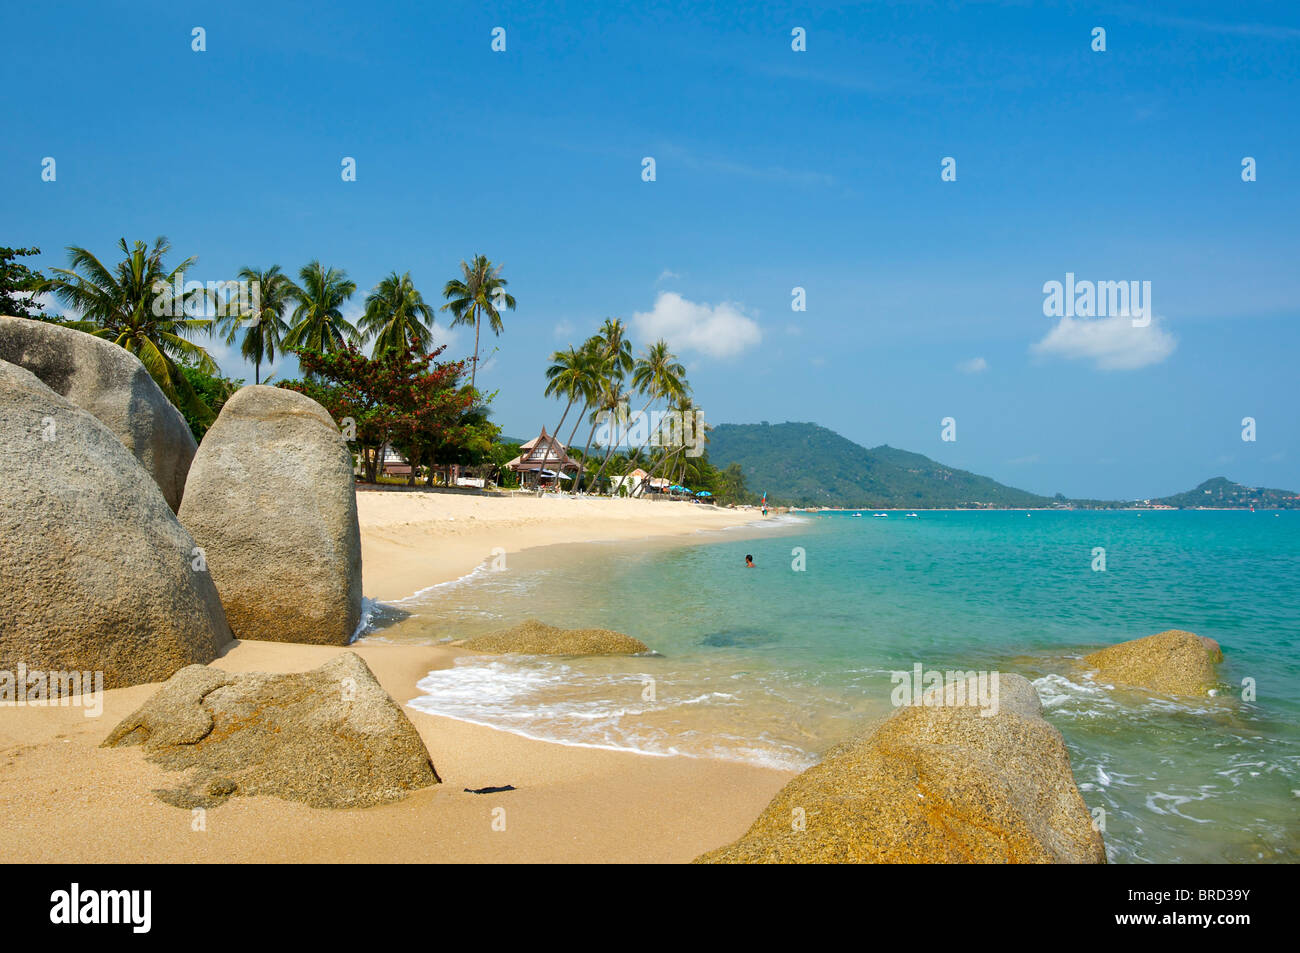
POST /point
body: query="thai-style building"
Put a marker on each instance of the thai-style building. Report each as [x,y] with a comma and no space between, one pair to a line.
[544,461]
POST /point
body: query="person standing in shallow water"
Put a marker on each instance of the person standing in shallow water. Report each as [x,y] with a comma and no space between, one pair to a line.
[749,562]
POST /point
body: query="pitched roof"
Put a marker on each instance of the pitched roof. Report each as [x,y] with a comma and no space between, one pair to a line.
[543,452]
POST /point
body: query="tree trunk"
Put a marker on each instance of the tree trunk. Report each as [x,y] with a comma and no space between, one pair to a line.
[576,424]
[567,407]
[663,459]
[596,479]
[473,374]
[592,433]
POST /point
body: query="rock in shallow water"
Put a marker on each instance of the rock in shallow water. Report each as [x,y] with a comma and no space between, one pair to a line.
[537,638]
[1173,662]
[933,784]
[331,737]
[96,573]
[272,500]
[103,379]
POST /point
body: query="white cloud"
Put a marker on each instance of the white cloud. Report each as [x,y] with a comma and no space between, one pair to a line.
[975,365]
[722,330]
[441,334]
[1112,343]
[667,275]
[46,302]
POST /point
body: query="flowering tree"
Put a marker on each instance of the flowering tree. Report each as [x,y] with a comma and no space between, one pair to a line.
[403,398]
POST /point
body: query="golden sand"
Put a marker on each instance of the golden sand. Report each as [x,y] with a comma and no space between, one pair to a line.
[65,799]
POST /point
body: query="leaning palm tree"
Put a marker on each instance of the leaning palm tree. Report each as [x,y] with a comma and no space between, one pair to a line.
[674,444]
[608,399]
[614,361]
[567,377]
[397,315]
[132,306]
[615,345]
[318,322]
[659,376]
[264,327]
[611,357]
[478,294]
[594,369]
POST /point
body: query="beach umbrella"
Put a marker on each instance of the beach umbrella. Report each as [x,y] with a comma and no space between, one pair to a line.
[704,493]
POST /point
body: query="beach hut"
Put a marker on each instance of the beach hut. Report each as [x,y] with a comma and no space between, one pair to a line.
[630,480]
[543,461]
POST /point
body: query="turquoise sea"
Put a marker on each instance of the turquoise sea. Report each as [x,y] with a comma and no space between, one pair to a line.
[775,664]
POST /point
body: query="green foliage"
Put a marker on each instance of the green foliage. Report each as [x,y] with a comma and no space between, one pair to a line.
[18,283]
[265,329]
[395,313]
[501,453]
[807,465]
[318,324]
[213,390]
[132,306]
[402,398]
[477,295]
[1221,492]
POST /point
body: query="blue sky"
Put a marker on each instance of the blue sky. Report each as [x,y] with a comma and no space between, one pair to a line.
[775,169]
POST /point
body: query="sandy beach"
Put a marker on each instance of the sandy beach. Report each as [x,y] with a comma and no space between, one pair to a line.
[63,798]
[411,540]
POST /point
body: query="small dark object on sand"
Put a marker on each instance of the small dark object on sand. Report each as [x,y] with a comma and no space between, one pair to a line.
[504,787]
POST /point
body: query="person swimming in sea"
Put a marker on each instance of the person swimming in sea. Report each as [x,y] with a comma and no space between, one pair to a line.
[749,562]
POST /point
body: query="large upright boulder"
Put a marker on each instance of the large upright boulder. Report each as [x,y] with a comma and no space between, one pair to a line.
[272,501]
[102,378]
[942,782]
[96,573]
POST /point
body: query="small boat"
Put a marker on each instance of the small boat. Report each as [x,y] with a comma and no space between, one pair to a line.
[912,516]
[880,516]
[859,515]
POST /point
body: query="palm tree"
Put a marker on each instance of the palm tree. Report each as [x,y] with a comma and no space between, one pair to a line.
[131,306]
[682,406]
[567,377]
[616,346]
[480,293]
[659,376]
[318,322]
[614,360]
[396,314]
[264,329]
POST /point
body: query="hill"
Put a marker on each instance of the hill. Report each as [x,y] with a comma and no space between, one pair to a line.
[1222,492]
[804,464]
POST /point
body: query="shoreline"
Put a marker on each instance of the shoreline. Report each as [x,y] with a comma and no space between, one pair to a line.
[65,799]
[412,542]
